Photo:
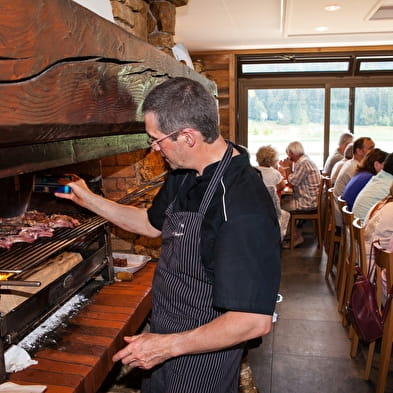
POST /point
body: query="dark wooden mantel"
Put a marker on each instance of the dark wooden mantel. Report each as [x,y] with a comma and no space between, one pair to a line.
[67,74]
[82,357]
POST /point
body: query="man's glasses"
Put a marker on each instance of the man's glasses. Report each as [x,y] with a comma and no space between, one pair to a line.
[152,141]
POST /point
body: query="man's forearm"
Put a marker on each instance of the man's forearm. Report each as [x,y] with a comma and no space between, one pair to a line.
[225,331]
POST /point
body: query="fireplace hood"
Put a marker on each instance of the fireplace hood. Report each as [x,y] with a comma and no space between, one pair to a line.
[72,85]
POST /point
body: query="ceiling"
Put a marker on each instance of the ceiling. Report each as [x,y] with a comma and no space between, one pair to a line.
[261,24]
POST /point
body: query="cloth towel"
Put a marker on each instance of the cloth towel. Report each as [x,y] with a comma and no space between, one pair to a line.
[9,387]
[17,359]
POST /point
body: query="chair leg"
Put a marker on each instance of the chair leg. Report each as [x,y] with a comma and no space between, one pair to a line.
[342,288]
[386,352]
[354,344]
[340,269]
[319,227]
[330,258]
[369,361]
[292,235]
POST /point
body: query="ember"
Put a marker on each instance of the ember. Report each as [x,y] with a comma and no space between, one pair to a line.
[5,276]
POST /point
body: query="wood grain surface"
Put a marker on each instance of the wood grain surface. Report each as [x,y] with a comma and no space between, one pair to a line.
[82,357]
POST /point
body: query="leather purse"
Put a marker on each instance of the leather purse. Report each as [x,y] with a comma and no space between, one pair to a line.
[362,309]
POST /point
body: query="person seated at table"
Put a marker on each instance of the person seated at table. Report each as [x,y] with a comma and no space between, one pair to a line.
[267,158]
[304,177]
[375,190]
[371,164]
[345,139]
[361,147]
[378,226]
[348,154]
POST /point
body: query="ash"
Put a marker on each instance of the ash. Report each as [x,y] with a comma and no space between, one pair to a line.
[37,336]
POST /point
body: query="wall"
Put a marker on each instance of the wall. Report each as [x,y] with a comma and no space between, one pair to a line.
[220,66]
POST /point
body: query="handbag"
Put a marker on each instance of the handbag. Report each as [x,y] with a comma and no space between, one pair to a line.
[362,309]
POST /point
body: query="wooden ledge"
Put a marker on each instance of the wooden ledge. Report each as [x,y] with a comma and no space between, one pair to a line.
[82,357]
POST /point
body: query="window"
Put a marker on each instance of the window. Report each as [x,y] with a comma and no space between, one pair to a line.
[282,98]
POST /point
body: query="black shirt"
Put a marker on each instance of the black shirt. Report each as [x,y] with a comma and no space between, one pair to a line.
[240,235]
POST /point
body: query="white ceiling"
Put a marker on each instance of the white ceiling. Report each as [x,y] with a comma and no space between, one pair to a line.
[259,24]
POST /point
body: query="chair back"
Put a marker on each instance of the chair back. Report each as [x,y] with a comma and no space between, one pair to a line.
[348,259]
[359,246]
[332,239]
[384,274]
[324,203]
[314,215]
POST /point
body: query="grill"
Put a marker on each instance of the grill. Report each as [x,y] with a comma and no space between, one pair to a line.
[90,239]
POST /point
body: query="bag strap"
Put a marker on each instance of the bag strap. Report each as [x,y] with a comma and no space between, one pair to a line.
[371,265]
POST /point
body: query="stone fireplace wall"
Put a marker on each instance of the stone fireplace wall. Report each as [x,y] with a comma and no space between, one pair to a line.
[152,21]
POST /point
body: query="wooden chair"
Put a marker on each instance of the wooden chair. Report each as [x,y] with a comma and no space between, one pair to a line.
[314,215]
[384,262]
[332,241]
[325,208]
[361,261]
[348,261]
[339,203]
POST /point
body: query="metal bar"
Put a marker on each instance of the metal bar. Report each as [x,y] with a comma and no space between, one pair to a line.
[15,283]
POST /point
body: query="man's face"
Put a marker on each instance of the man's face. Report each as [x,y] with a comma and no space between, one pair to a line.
[169,149]
[368,145]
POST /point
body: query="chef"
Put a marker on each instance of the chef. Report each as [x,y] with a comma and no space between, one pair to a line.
[217,278]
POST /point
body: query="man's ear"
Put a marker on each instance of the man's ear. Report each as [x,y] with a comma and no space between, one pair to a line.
[189,136]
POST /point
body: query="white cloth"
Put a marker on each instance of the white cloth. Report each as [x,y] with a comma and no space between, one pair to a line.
[17,359]
[272,177]
[379,227]
[346,173]
[10,387]
[375,190]
[336,170]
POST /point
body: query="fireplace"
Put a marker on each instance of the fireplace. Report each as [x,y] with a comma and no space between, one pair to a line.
[71,90]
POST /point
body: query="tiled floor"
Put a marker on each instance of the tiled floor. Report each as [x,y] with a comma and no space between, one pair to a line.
[308,348]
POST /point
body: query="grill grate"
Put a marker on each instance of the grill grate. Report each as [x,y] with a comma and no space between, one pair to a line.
[28,256]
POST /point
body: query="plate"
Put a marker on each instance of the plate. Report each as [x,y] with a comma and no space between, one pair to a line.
[134,262]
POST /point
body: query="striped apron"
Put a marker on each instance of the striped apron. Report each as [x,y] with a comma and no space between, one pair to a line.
[183,300]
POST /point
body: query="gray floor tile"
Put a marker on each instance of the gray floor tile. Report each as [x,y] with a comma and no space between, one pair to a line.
[308,348]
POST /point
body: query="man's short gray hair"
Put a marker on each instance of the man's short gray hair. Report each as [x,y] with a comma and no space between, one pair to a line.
[295,148]
[345,138]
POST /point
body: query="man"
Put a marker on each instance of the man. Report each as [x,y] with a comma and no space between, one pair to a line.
[361,147]
[217,279]
[345,139]
[304,177]
[376,189]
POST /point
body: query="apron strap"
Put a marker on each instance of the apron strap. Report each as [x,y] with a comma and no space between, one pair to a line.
[218,173]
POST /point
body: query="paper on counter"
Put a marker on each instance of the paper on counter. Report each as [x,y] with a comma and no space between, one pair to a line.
[17,359]
[9,387]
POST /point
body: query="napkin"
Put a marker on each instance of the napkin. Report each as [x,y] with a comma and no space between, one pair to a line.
[17,359]
[9,387]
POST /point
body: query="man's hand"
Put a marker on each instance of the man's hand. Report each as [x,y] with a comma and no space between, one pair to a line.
[145,350]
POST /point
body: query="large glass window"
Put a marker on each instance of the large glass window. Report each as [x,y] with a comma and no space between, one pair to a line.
[279,116]
[374,115]
[299,96]
[339,115]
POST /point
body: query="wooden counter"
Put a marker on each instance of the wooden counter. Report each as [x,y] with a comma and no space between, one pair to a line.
[82,357]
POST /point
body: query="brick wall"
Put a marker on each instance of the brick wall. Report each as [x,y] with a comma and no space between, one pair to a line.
[122,174]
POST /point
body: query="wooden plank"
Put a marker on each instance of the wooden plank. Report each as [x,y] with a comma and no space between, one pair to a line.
[82,357]
[61,367]
[61,356]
